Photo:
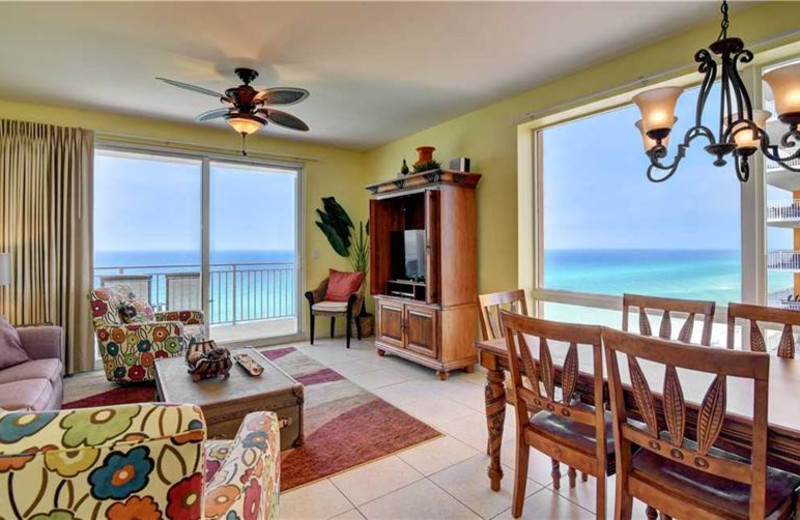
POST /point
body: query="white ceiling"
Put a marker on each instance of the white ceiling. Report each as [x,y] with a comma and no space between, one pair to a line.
[376,71]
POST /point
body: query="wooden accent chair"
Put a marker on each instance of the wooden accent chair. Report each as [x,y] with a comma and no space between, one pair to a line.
[755,313]
[564,428]
[668,306]
[682,476]
[352,308]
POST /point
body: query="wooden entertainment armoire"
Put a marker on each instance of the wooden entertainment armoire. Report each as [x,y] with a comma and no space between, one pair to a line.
[432,320]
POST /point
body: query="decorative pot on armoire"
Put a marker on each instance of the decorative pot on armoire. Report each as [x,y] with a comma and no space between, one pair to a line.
[423,272]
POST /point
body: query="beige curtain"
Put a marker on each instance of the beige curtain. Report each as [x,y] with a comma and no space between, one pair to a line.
[46,227]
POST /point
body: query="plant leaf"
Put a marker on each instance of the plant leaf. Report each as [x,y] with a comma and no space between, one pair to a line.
[335,240]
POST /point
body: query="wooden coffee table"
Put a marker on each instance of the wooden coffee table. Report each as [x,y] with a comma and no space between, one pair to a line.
[225,402]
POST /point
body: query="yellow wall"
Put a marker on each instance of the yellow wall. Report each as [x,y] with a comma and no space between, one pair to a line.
[335,171]
[489,135]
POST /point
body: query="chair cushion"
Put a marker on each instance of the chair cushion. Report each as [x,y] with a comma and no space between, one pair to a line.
[11,351]
[49,369]
[129,314]
[696,486]
[31,394]
[581,436]
[341,285]
[216,451]
[330,307]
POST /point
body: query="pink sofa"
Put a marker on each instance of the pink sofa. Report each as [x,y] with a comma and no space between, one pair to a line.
[35,384]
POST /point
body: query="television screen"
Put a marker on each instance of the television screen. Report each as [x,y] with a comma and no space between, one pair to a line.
[408,254]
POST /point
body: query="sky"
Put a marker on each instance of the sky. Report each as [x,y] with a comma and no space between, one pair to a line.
[156,205]
[597,195]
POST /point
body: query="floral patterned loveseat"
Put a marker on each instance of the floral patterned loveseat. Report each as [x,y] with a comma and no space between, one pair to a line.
[130,345]
[146,462]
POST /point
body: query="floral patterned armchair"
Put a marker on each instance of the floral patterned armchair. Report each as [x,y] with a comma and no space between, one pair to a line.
[148,462]
[131,336]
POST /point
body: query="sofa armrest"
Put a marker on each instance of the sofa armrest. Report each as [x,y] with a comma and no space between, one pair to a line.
[42,341]
[245,477]
[185,317]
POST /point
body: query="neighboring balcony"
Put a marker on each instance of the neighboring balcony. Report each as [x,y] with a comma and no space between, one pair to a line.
[783,260]
[246,301]
[784,214]
[785,299]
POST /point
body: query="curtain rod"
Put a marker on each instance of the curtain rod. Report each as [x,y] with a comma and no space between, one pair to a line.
[641,81]
[121,138]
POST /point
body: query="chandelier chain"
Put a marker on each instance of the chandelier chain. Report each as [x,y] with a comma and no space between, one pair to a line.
[725,21]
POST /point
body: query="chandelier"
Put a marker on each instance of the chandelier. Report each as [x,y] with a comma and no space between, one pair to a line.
[741,129]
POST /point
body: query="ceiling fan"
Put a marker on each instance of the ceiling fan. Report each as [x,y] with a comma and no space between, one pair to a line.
[250,109]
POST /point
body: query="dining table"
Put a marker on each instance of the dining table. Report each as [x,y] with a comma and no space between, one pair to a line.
[783,437]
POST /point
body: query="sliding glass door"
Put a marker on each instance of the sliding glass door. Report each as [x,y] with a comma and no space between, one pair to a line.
[192,232]
[148,226]
[253,283]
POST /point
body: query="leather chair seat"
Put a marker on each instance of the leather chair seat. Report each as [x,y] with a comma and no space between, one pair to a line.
[717,492]
[581,436]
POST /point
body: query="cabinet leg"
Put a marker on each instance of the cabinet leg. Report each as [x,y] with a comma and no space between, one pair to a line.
[381,353]
[442,375]
[469,369]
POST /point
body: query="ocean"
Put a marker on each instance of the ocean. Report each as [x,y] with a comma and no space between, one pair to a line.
[257,291]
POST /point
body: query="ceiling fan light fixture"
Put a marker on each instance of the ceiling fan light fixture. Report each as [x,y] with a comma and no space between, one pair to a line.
[246,124]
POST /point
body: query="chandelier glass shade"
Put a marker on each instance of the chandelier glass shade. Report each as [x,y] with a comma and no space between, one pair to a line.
[741,129]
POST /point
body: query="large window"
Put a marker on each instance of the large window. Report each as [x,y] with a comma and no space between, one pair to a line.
[235,257]
[606,229]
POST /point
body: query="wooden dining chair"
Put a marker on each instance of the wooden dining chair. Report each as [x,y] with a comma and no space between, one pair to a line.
[564,428]
[491,305]
[667,306]
[756,313]
[686,476]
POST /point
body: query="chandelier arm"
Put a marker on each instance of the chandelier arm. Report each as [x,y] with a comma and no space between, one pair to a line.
[660,151]
[745,105]
[742,167]
[707,67]
[725,109]
[772,152]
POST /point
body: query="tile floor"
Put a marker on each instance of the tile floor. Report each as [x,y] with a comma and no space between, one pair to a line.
[441,479]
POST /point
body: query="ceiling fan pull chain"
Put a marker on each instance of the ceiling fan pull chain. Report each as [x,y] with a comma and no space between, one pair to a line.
[244,143]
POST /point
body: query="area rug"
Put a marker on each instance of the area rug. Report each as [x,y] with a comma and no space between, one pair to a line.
[345,425]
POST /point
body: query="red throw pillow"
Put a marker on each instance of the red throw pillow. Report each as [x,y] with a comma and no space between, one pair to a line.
[342,285]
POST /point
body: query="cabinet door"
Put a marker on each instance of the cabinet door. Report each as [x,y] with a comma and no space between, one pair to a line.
[421,330]
[390,323]
[432,220]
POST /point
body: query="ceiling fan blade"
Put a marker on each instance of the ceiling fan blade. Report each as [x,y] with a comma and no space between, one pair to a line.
[281,95]
[213,114]
[284,119]
[194,88]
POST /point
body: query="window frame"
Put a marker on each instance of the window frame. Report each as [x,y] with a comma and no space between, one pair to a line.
[753,226]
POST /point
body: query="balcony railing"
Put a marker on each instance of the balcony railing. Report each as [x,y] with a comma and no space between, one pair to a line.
[237,292]
[783,260]
[785,210]
[785,298]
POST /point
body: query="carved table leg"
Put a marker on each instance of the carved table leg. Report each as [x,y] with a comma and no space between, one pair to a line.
[495,417]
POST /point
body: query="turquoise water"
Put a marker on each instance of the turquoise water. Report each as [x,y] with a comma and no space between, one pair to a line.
[697,274]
